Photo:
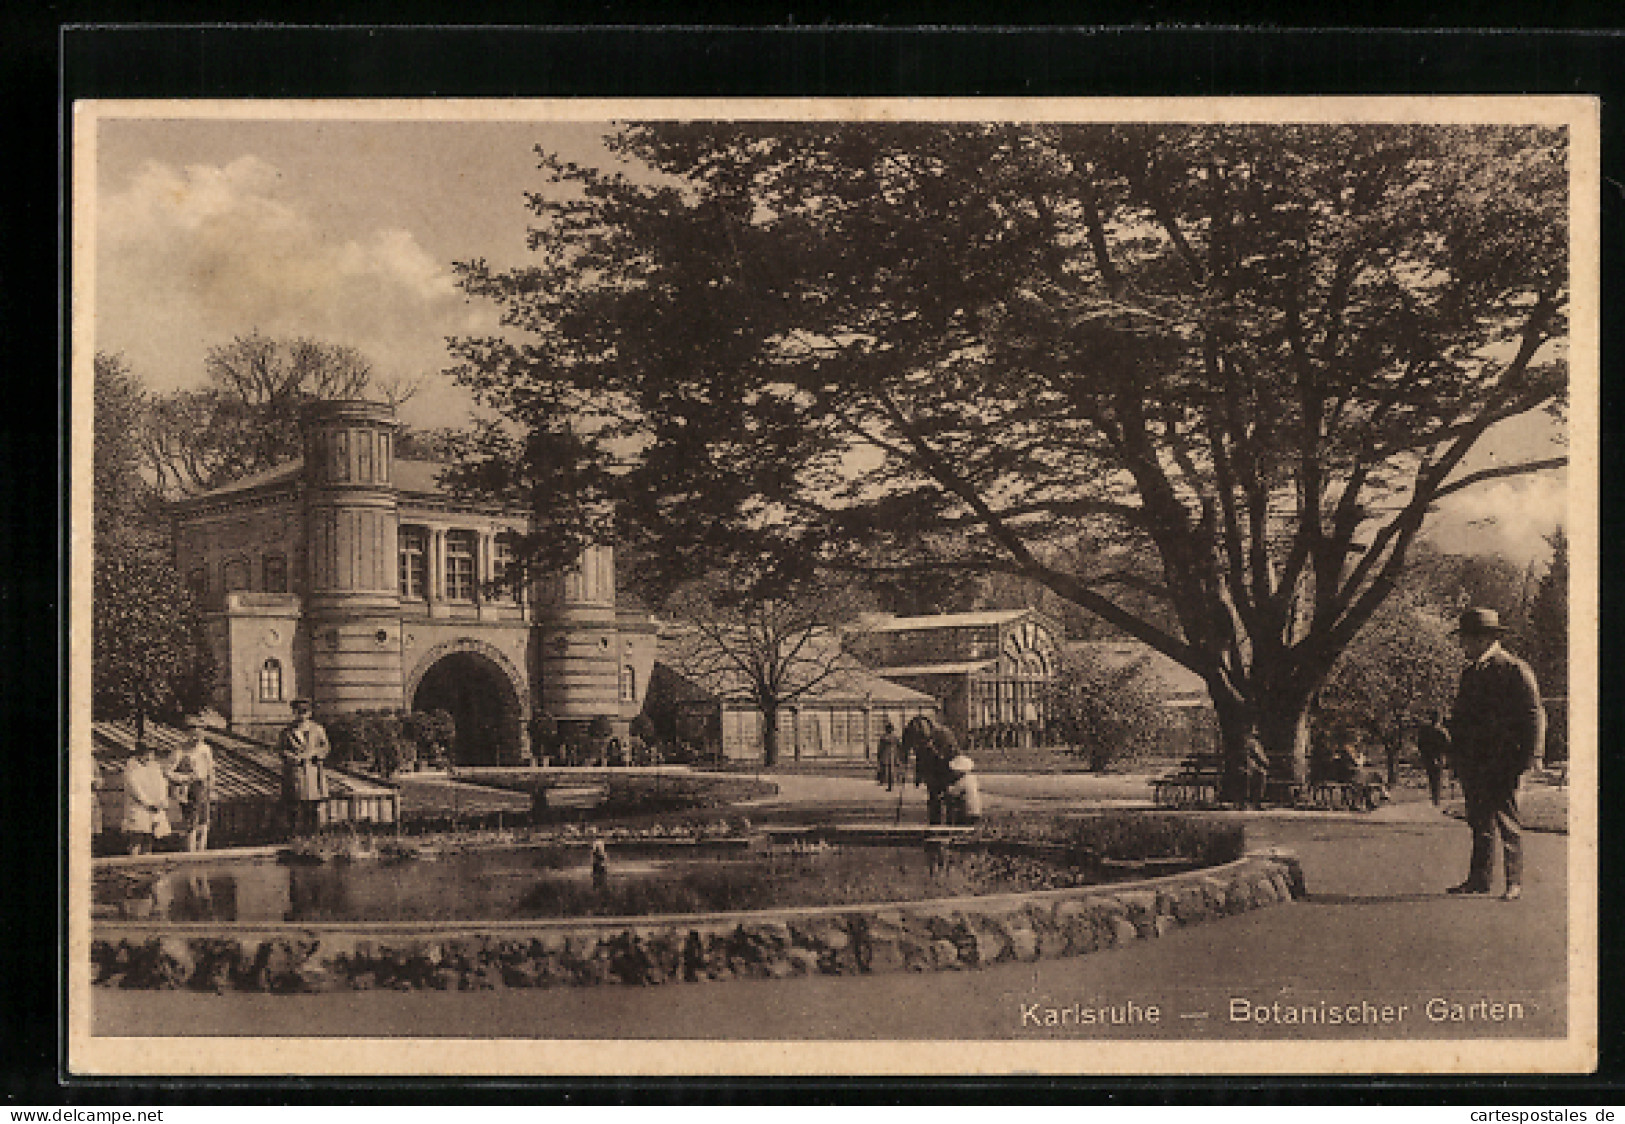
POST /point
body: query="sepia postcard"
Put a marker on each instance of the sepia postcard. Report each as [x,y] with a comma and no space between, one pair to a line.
[834,587]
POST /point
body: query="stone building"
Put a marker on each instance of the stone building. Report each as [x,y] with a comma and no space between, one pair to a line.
[987,669]
[352,577]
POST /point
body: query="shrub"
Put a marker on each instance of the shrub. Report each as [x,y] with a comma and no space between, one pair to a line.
[544,735]
[1207,840]
[372,739]
[433,732]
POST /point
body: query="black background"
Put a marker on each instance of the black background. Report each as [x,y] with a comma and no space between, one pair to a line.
[55,54]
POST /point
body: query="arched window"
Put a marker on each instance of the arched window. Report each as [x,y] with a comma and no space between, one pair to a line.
[197,582]
[629,684]
[236,575]
[276,573]
[414,551]
[271,681]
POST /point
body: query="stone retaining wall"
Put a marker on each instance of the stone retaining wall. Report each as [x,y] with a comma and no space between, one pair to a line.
[943,934]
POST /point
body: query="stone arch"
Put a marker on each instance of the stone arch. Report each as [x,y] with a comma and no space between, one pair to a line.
[460,675]
[516,678]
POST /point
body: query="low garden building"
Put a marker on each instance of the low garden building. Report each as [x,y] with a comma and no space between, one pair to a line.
[841,718]
[988,670]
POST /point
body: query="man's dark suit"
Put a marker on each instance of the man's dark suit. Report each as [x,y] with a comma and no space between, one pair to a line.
[1495,731]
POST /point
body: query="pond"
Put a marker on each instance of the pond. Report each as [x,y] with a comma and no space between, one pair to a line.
[519,883]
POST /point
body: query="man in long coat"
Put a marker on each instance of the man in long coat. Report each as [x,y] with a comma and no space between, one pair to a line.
[1496,730]
[934,747]
[304,774]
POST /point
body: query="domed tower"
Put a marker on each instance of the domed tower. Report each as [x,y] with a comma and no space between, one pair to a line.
[579,661]
[352,588]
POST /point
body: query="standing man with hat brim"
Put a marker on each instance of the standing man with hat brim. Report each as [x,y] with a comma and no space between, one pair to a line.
[1496,729]
[304,749]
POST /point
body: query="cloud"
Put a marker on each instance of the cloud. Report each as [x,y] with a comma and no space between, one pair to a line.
[1509,517]
[189,257]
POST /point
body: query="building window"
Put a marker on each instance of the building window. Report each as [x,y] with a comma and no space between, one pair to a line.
[502,569]
[414,550]
[459,566]
[341,455]
[629,684]
[197,583]
[236,575]
[271,681]
[276,573]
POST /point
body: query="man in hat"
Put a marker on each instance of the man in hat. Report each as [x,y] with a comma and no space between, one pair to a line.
[304,776]
[1496,729]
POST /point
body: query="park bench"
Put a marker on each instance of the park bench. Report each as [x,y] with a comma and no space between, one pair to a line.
[1340,796]
[1195,784]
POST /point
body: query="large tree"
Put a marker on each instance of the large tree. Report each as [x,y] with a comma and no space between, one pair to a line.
[772,651]
[1399,672]
[149,654]
[1258,354]
[245,418]
[1549,643]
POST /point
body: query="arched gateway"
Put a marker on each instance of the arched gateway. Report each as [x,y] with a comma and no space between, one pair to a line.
[485,695]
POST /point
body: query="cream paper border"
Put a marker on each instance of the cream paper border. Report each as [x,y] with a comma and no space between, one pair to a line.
[1575,1053]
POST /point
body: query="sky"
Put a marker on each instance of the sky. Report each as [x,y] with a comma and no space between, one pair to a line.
[346,231]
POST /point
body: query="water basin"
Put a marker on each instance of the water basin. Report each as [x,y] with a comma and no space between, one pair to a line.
[517,883]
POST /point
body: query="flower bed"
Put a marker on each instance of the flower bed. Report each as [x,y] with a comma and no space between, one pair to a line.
[626,795]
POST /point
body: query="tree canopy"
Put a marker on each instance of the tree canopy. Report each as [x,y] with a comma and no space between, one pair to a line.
[149,654]
[773,651]
[1257,356]
[245,419]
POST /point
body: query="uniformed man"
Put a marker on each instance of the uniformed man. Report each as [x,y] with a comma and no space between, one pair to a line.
[304,775]
[1495,731]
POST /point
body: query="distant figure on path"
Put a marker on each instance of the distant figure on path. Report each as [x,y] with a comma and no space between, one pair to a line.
[304,773]
[886,773]
[1258,768]
[600,866]
[1433,744]
[1496,729]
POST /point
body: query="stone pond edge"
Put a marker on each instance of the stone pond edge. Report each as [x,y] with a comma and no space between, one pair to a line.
[933,935]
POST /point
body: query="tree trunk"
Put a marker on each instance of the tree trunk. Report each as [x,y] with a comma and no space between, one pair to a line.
[770,734]
[1283,727]
[1235,723]
[1279,719]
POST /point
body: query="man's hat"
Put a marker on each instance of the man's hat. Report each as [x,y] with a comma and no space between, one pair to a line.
[300,704]
[1480,622]
[962,764]
[196,722]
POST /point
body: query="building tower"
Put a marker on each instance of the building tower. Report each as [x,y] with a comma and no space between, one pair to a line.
[579,659]
[353,607]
